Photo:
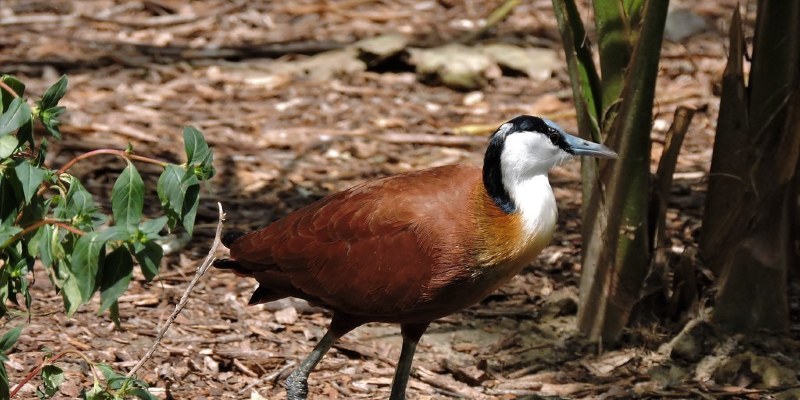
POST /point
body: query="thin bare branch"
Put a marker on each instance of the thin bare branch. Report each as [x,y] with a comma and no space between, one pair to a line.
[185,298]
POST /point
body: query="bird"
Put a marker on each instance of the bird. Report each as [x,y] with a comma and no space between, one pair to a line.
[414,247]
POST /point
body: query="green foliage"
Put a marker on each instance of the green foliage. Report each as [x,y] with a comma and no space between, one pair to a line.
[48,214]
[117,387]
[52,378]
[112,386]
[7,341]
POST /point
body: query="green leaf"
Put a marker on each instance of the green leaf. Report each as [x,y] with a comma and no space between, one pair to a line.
[190,203]
[114,233]
[9,339]
[30,177]
[34,243]
[127,198]
[8,200]
[113,312]
[85,262]
[77,205]
[25,134]
[52,378]
[71,294]
[107,371]
[16,85]
[17,114]
[54,94]
[113,379]
[79,200]
[35,210]
[7,232]
[98,392]
[115,276]
[149,255]
[179,191]
[45,243]
[8,144]
[197,151]
[50,120]
[141,393]
[205,172]
[171,192]
[152,227]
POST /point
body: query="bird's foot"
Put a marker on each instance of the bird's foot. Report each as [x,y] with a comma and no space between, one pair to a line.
[296,386]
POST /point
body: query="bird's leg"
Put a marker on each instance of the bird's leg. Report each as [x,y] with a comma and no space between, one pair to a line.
[296,383]
[411,334]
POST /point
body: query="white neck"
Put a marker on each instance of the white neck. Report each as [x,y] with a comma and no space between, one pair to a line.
[535,202]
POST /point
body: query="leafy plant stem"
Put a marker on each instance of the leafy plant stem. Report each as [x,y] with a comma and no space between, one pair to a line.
[120,153]
[46,361]
[36,225]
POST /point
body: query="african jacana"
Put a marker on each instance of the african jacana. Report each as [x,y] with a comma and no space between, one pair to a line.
[413,247]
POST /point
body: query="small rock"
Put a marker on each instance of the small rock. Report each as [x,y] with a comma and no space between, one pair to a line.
[210,365]
[536,63]
[683,23]
[472,98]
[561,302]
[376,50]
[287,316]
[455,66]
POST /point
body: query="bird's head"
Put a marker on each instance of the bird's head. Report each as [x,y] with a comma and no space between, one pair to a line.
[534,145]
[528,146]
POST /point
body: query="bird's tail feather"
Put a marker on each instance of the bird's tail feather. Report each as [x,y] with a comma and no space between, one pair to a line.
[232,265]
[229,237]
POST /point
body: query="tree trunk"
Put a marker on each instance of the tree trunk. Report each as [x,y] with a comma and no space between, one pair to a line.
[748,237]
[616,238]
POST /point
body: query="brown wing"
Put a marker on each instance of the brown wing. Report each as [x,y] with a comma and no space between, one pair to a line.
[370,250]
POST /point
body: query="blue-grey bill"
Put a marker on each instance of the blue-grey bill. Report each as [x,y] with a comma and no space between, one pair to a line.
[583,147]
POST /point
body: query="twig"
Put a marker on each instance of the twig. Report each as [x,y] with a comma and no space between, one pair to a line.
[120,153]
[185,298]
[38,19]
[32,227]
[46,361]
[167,20]
[8,89]
[269,377]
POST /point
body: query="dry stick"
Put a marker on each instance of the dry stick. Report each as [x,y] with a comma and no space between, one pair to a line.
[185,298]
